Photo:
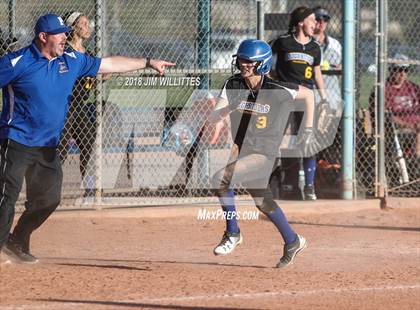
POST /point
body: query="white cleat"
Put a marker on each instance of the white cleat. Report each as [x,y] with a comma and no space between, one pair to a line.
[229,242]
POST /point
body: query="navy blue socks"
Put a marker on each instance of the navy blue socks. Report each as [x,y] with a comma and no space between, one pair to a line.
[228,206]
[309,165]
[280,221]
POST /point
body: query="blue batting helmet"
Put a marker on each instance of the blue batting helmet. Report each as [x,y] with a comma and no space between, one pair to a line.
[255,50]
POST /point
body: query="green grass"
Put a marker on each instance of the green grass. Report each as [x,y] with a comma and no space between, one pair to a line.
[366,84]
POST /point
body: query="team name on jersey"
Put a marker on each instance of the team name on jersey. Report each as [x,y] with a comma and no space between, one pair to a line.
[254,107]
[300,57]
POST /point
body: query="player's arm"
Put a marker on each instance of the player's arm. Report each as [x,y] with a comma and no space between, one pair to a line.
[307,96]
[121,64]
[221,111]
[212,102]
[319,81]
[223,107]
[217,132]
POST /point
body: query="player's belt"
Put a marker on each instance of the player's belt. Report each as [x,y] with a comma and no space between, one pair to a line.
[307,85]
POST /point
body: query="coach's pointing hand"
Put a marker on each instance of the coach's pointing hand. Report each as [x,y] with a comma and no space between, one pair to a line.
[159,65]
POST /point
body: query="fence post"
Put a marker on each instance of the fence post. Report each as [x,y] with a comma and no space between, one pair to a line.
[260,20]
[203,38]
[100,24]
[203,58]
[348,93]
[381,186]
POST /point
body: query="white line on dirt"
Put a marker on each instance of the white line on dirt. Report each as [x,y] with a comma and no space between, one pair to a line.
[77,304]
[278,293]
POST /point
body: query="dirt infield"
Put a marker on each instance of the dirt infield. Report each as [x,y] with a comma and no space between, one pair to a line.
[358,257]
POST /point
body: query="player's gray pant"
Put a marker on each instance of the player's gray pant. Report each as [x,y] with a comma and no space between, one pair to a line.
[251,171]
[41,168]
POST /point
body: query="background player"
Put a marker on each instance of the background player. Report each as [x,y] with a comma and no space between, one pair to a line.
[402,108]
[257,128]
[297,59]
[80,124]
[330,56]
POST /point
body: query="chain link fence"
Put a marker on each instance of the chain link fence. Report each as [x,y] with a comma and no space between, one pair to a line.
[141,139]
[401,102]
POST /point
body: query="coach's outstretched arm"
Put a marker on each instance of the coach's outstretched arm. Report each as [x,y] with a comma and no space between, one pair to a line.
[121,64]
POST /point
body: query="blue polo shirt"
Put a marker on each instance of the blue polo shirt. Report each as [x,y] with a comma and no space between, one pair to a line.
[36,93]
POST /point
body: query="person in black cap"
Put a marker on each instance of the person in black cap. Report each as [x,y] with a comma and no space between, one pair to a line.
[297,59]
[402,108]
[330,56]
[37,83]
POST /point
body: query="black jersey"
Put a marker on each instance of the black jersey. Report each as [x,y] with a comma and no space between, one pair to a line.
[258,121]
[295,61]
[83,86]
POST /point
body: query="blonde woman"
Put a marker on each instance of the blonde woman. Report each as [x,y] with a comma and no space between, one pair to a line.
[80,125]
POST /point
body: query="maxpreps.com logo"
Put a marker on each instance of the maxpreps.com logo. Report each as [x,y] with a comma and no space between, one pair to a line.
[254,107]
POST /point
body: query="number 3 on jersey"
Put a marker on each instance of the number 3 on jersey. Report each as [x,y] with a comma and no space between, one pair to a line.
[261,122]
[308,72]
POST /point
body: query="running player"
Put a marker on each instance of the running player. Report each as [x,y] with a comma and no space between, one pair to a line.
[257,128]
[297,59]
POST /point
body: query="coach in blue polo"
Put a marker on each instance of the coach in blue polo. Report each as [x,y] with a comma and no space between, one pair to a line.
[37,83]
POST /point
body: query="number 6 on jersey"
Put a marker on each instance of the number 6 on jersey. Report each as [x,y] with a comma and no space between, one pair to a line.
[308,72]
